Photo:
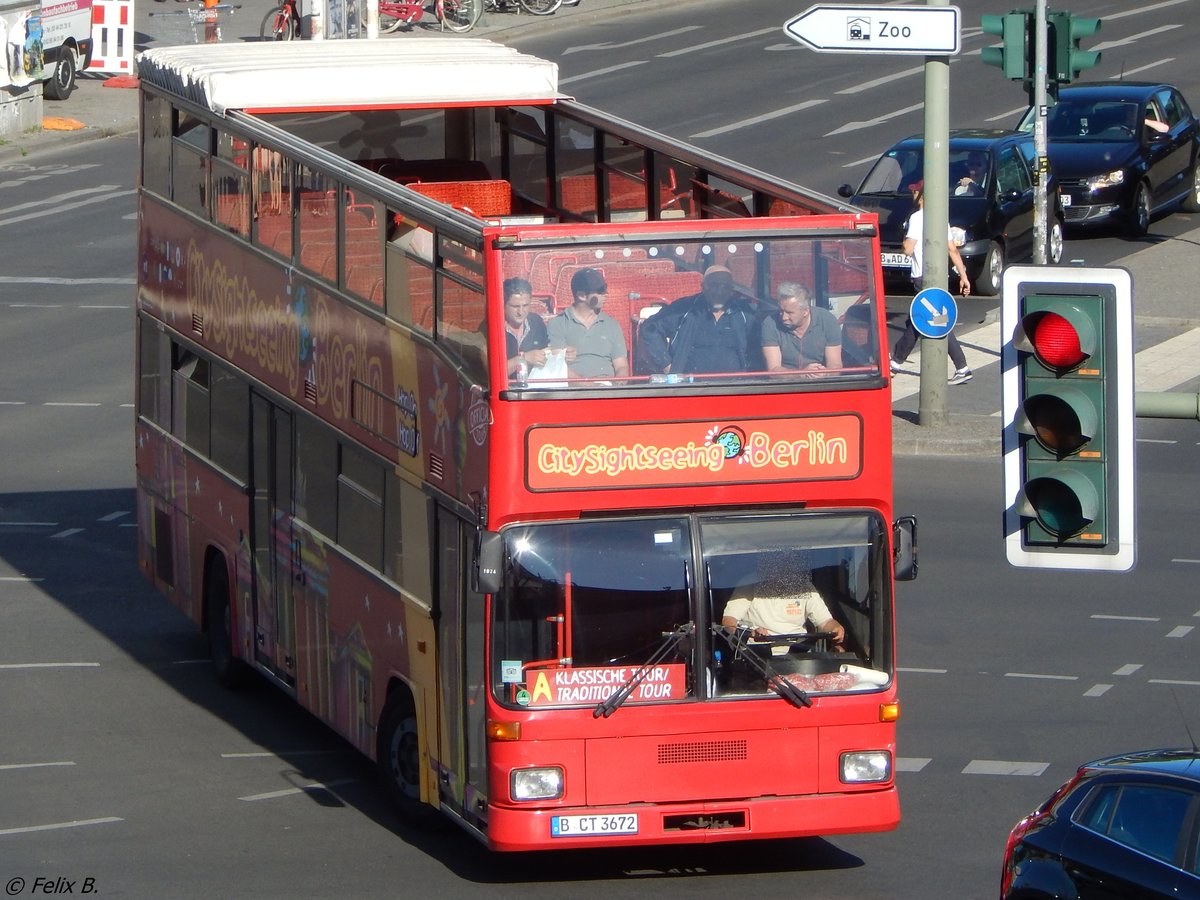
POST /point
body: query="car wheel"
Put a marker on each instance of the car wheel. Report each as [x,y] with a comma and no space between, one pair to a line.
[992,272]
[1139,212]
[1191,203]
[1054,242]
[62,79]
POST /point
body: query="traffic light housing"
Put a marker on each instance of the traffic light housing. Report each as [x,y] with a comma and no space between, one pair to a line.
[1065,59]
[1068,418]
[1017,50]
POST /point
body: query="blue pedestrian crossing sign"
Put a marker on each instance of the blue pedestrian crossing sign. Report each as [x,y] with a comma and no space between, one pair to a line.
[933,313]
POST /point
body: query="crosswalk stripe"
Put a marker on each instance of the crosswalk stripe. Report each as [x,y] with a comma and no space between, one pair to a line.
[1157,368]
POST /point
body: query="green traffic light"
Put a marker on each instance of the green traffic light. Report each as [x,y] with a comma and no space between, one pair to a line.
[1064,504]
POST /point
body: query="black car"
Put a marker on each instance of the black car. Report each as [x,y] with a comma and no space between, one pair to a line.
[1125,826]
[1122,151]
[992,212]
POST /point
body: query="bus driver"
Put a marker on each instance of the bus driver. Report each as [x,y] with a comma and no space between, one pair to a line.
[783,601]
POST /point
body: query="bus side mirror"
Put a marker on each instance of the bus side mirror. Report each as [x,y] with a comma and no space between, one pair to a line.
[488,558]
[904,544]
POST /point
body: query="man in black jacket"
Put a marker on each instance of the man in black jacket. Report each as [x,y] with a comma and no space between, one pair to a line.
[713,332]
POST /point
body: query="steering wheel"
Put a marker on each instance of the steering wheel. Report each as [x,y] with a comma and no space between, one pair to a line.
[793,639]
[1124,130]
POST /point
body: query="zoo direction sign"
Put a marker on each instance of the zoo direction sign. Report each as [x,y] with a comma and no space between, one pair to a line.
[850,28]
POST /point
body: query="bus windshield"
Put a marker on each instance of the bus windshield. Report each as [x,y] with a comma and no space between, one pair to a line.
[574,623]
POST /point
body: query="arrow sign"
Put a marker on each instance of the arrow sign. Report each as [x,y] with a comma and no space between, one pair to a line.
[933,312]
[916,30]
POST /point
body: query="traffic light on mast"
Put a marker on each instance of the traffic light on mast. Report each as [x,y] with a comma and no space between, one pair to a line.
[1068,418]
[1014,55]
[1066,59]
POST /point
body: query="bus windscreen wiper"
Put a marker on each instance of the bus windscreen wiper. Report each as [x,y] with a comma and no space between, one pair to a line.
[741,650]
[613,701]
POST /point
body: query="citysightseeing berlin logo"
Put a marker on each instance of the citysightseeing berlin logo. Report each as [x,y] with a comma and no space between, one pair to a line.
[803,448]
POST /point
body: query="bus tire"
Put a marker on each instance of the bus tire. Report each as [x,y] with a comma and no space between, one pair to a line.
[62,79]
[398,758]
[231,672]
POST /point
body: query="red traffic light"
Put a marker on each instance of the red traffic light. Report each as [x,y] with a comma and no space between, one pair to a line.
[1056,342]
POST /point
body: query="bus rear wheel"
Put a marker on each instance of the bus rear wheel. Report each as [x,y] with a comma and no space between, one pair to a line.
[231,672]
[398,758]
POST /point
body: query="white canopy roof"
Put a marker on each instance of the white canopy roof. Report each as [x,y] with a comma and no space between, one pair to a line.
[350,74]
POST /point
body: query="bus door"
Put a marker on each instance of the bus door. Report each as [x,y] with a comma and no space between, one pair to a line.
[273,544]
[462,700]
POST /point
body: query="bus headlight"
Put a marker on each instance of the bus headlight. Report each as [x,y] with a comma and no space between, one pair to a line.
[866,766]
[543,783]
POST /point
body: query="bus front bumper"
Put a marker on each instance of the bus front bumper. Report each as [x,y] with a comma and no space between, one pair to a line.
[515,828]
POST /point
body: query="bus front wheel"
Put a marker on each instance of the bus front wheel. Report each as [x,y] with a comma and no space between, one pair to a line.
[398,757]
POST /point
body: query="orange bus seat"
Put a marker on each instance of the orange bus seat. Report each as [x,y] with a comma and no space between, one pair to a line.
[485,199]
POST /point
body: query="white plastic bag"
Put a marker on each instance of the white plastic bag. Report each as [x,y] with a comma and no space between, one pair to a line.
[552,373]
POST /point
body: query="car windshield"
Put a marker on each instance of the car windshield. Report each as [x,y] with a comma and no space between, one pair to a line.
[1102,120]
[900,171]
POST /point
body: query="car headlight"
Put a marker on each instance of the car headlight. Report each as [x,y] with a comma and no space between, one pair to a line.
[542,783]
[1108,179]
[866,766]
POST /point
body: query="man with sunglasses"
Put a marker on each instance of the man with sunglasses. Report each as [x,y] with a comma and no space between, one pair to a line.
[594,343]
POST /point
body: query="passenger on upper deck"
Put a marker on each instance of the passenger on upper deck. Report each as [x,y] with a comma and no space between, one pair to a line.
[801,336]
[594,342]
[857,349]
[525,335]
[712,332]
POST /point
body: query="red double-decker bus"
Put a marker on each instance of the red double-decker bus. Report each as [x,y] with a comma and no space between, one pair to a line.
[529,582]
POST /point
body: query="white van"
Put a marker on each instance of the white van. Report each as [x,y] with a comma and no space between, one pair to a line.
[67,44]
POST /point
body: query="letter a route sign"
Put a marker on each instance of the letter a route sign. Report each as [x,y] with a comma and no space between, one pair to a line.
[850,28]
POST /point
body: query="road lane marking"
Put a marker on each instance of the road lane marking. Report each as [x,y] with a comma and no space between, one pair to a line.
[1180,631]
[282,754]
[1043,677]
[1004,767]
[1127,618]
[303,789]
[78,823]
[912,763]
[51,665]
[765,117]
[871,123]
[720,41]
[47,210]
[113,516]
[598,72]
[19,579]
[1128,669]
[37,765]
[1097,690]
[67,533]
[1134,38]
[614,45]
[921,671]
[1174,681]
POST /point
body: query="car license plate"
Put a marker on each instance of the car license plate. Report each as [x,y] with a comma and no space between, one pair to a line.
[586,826]
[1065,199]
[895,260]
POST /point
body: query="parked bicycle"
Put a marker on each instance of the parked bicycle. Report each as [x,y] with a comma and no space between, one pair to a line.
[534,7]
[282,23]
[457,15]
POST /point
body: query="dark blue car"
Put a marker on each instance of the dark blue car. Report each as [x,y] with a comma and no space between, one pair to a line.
[1122,151]
[1124,827]
[990,205]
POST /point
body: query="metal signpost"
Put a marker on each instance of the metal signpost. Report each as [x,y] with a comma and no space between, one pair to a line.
[932,31]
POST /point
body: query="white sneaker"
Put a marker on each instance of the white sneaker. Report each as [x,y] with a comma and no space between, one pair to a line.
[895,366]
[962,376]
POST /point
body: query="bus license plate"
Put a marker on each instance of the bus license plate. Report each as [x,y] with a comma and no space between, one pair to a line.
[895,260]
[586,826]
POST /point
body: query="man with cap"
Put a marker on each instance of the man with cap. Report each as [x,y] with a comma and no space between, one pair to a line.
[712,332]
[594,342]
